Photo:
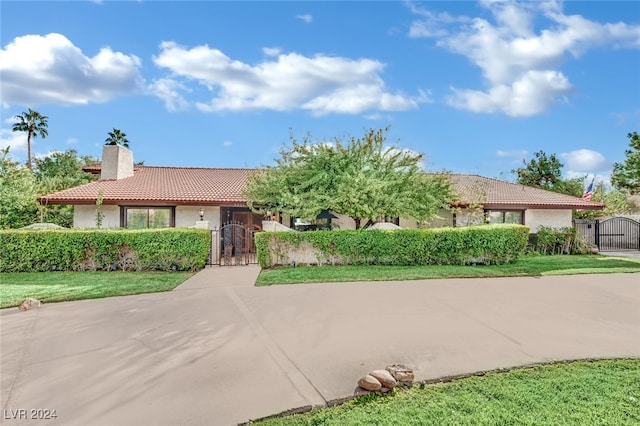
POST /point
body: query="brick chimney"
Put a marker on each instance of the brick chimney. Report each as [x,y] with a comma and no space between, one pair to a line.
[117,162]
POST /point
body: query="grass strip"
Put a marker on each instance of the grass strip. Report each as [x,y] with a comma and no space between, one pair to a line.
[605,392]
[64,286]
[526,266]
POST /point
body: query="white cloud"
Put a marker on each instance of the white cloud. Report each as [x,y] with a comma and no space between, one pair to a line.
[532,94]
[431,24]
[306,18]
[623,117]
[515,60]
[51,69]
[227,143]
[321,84]
[169,91]
[519,153]
[271,51]
[17,141]
[601,176]
[589,163]
[585,161]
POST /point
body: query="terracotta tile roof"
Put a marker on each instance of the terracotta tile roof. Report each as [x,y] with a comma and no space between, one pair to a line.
[218,186]
[494,193]
[167,185]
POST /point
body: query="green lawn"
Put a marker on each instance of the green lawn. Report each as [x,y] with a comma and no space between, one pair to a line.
[580,393]
[63,286]
[526,266]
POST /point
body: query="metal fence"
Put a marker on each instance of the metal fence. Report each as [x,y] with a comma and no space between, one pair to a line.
[232,244]
[614,234]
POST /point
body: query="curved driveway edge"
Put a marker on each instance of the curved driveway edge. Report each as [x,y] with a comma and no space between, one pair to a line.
[218,351]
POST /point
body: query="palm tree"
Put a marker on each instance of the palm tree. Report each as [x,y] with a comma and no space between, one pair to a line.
[117,137]
[35,124]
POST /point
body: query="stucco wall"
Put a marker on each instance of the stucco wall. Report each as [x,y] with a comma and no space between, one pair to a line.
[85,216]
[533,218]
[117,162]
[343,222]
[187,216]
[549,218]
[444,218]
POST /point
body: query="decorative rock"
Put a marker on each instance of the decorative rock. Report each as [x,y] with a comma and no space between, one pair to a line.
[384,390]
[28,304]
[370,383]
[360,392]
[594,250]
[402,374]
[385,378]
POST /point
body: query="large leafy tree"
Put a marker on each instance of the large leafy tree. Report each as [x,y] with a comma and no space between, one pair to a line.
[616,201]
[62,170]
[33,124]
[363,178]
[117,137]
[18,192]
[58,171]
[626,175]
[545,172]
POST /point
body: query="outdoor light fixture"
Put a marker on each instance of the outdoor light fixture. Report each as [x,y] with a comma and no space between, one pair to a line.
[201,213]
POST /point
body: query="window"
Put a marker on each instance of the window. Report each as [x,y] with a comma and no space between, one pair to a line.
[505,216]
[148,217]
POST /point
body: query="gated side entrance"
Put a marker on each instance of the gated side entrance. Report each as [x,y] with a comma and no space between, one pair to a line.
[232,245]
[615,234]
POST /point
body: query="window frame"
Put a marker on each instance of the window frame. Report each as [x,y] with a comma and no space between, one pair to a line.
[487,212]
[172,215]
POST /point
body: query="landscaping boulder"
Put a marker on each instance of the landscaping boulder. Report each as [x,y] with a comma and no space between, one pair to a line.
[385,378]
[29,303]
[369,383]
[402,374]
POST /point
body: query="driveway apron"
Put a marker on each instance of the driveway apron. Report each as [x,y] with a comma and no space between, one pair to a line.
[218,351]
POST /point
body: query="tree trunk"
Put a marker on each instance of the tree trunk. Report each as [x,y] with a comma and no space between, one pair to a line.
[29,149]
[357,220]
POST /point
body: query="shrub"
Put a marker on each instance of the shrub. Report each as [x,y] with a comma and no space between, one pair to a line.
[78,250]
[550,241]
[492,244]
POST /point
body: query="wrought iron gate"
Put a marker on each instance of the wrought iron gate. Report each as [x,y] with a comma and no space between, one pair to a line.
[232,245]
[617,233]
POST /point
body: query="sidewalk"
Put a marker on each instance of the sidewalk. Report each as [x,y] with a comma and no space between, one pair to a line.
[218,351]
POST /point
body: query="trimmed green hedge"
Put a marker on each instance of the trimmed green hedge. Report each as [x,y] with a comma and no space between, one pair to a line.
[96,250]
[486,245]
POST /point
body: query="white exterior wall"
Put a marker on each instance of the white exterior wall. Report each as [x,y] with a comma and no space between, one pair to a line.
[187,216]
[445,219]
[344,222]
[550,218]
[85,216]
[465,217]
[407,223]
[553,218]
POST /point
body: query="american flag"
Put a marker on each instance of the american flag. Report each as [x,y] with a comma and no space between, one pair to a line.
[589,192]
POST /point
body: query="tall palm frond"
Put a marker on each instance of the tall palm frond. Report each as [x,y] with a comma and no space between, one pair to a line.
[117,137]
[34,124]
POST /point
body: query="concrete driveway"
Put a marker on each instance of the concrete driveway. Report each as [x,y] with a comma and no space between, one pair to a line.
[218,351]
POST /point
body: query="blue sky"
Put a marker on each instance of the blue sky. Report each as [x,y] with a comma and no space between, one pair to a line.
[475,86]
